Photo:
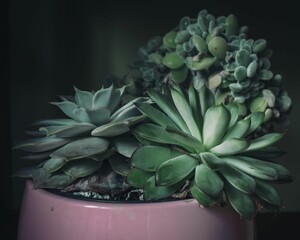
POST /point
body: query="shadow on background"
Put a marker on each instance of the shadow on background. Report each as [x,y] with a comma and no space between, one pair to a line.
[49,46]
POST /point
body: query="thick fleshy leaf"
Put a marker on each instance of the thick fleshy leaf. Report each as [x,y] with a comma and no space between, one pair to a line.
[218,47]
[241,202]
[234,113]
[158,134]
[81,115]
[186,140]
[98,116]
[116,128]
[101,98]
[119,164]
[270,152]
[173,60]
[56,122]
[203,199]
[42,179]
[168,109]
[238,130]
[206,98]
[208,181]
[204,63]
[82,148]
[283,174]
[211,160]
[257,170]
[149,158]
[231,25]
[137,177]
[231,147]
[156,116]
[54,164]
[257,119]
[268,193]
[175,170]
[42,144]
[264,141]
[215,125]
[83,98]
[185,112]
[179,75]
[154,192]
[37,156]
[195,106]
[125,145]
[81,168]
[116,98]
[200,44]
[103,156]
[238,179]
[128,110]
[169,39]
[67,107]
[68,130]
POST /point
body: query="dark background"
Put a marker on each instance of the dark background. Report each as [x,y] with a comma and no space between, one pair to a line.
[48,46]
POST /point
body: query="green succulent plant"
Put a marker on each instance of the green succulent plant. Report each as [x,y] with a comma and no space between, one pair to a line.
[193,146]
[74,148]
[216,52]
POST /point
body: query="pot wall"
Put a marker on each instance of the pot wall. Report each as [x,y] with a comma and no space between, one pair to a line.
[47,216]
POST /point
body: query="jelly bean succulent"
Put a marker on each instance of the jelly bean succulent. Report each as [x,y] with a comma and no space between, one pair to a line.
[216,52]
[203,149]
[72,148]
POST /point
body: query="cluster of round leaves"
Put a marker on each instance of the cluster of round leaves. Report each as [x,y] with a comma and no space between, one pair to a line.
[75,147]
[204,149]
[215,51]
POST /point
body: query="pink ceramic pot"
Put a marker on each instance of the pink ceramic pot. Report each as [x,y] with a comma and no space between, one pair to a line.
[47,216]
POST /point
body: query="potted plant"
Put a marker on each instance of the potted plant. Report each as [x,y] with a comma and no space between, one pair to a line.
[181,147]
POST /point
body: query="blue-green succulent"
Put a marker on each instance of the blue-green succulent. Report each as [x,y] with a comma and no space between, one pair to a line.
[72,148]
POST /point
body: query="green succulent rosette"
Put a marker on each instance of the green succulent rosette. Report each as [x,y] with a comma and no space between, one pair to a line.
[75,148]
[192,146]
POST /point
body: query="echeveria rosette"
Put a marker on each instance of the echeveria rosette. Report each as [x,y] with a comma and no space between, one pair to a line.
[216,52]
[74,148]
[193,146]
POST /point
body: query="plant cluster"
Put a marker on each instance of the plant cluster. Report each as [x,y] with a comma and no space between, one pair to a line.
[190,125]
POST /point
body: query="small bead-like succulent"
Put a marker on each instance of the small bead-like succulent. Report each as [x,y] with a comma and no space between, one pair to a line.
[216,52]
[204,150]
[72,148]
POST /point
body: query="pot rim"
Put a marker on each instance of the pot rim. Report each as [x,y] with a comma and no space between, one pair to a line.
[57,192]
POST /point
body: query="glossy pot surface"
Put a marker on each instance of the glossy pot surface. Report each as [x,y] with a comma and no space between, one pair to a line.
[48,216]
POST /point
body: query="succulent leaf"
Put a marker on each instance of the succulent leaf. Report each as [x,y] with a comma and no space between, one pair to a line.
[241,202]
[168,108]
[155,115]
[211,160]
[213,128]
[137,177]
[238,179]
[208,181]
[143,157]
[175,169]
[154,192]
[82,148]
[203,199]
[186,113]
[230,147]
[37,145]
